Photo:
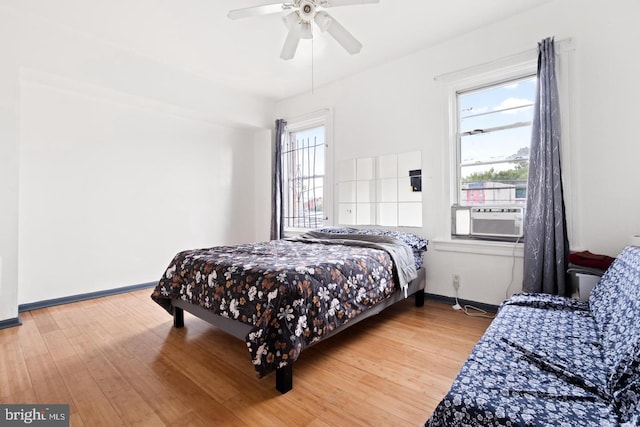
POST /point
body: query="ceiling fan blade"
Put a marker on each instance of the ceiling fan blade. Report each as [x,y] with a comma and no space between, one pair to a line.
[306,31]
[291,43]
[327,23]
[335,3]
[258,10]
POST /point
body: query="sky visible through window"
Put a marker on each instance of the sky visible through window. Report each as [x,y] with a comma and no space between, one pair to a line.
[493,107]
[312,136]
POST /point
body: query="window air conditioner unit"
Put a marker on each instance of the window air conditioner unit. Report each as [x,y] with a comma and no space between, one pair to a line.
[488,222]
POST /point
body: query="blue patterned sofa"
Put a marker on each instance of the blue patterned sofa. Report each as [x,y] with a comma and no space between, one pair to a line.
[552,361]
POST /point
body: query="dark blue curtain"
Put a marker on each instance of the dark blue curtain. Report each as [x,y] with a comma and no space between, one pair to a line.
[546,246]
[277,213]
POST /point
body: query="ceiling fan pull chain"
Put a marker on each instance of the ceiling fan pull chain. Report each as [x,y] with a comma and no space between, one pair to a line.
[312,55]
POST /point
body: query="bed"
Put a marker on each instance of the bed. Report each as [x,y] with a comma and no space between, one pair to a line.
[283,296]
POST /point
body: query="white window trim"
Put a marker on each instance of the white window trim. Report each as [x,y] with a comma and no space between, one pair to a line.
[324,118]
[511,67]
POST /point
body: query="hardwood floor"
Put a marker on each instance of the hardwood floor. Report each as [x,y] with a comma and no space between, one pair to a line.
[117,360]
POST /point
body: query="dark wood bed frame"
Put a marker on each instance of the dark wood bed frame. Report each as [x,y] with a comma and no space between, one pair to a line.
[284,375]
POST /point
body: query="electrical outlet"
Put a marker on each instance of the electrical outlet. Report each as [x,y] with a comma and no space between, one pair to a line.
[456,281]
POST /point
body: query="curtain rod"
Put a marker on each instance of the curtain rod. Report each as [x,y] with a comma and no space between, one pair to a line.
[563,45]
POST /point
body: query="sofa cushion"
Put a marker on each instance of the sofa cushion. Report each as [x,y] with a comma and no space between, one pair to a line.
[615,305]
[559,333]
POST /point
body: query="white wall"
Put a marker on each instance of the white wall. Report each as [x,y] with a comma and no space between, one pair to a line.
[109,191]
[9,64]
[263,157]
[110,163]
[399,107]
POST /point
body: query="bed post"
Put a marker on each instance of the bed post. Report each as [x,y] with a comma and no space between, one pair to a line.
[420,298]
[178,317]
[284,378]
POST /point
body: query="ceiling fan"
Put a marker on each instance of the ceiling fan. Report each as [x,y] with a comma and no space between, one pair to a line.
[299,22]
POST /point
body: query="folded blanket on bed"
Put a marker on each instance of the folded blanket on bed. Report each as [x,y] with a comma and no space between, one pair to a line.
[400,253]
[418,244]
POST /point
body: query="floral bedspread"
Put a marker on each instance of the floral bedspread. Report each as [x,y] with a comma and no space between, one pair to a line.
[292,293]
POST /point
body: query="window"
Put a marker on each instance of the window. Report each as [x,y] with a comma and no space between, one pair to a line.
[303,166]
[493,139]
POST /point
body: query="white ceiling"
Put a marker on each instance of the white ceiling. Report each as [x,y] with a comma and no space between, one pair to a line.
[196,35]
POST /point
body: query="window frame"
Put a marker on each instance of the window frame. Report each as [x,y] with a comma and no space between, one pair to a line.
[473,83]
[459,134]
[483,77]
[493,70]
[309,121]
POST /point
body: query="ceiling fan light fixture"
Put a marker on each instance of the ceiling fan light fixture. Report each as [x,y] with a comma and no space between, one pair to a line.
[291,20]
[323,20]
[305,31]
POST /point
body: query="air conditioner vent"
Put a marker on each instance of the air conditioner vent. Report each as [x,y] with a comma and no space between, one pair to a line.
[490,222]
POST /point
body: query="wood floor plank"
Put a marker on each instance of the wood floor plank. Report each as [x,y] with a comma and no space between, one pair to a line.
[130,407]
[47,383]
[117,360]
[93,406]
[45,321]
[164,386]
[15,381]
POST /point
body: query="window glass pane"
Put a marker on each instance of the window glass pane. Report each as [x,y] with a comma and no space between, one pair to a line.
[498,146]
[494,136]
[504,103]
[495,184]
[303,163]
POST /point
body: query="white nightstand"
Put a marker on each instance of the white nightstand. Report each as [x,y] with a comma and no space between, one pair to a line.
[583,283]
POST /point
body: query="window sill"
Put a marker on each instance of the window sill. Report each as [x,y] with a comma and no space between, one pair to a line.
[482,247]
